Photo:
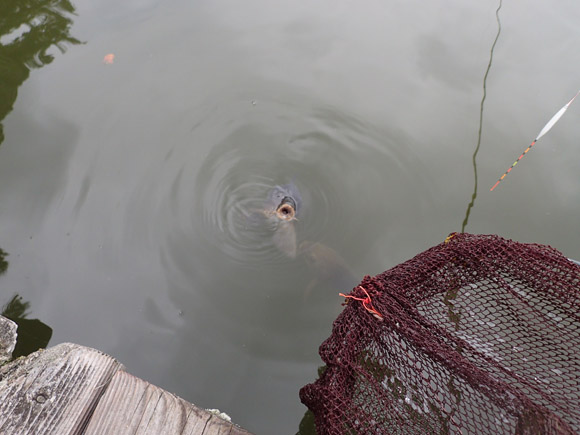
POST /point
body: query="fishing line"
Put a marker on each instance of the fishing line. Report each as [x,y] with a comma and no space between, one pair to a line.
[474,157]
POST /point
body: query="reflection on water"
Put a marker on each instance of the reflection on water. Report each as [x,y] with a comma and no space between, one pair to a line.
[3,262]
[32,333]
[474,157]
[28,29]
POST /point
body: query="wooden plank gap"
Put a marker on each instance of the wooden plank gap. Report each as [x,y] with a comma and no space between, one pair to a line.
[153,395]
[100,391]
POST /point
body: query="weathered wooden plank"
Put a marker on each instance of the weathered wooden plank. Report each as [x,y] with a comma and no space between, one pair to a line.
[206,423]
[7,338]
[133,406]
[53,391]
[219,426]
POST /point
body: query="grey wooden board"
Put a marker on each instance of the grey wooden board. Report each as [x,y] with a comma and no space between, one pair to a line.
[133,406]
[53,391]
[7,338]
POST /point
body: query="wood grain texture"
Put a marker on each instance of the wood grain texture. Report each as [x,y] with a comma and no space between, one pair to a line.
[7,338]
[133,406]
[53,391]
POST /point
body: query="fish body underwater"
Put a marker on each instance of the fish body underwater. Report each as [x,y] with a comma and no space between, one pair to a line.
[327,266]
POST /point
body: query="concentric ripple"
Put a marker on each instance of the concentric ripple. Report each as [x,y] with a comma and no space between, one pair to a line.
[204,198]
[216,184]
[242,148]
[273,146]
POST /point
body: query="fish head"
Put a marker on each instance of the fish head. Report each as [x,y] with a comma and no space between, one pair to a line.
[286,211]
[286,192]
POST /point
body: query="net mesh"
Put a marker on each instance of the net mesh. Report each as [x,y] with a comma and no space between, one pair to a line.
[478,335]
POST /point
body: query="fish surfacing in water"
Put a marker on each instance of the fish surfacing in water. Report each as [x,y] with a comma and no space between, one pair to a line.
[280,211]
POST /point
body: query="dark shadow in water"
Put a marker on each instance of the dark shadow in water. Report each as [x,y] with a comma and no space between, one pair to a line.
[29,28]
[307,424]
[474,195]
[3,262]
[32,333]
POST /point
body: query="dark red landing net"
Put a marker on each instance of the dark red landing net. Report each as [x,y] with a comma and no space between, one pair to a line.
[480,335]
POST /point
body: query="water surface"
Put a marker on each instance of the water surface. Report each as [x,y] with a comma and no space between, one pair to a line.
[124,186]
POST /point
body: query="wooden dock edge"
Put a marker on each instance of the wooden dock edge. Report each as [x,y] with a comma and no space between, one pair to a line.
[72,389]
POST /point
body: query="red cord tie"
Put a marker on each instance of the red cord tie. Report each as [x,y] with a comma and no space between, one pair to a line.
[367,303]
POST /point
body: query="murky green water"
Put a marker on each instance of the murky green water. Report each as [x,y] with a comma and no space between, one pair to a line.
[125,187]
